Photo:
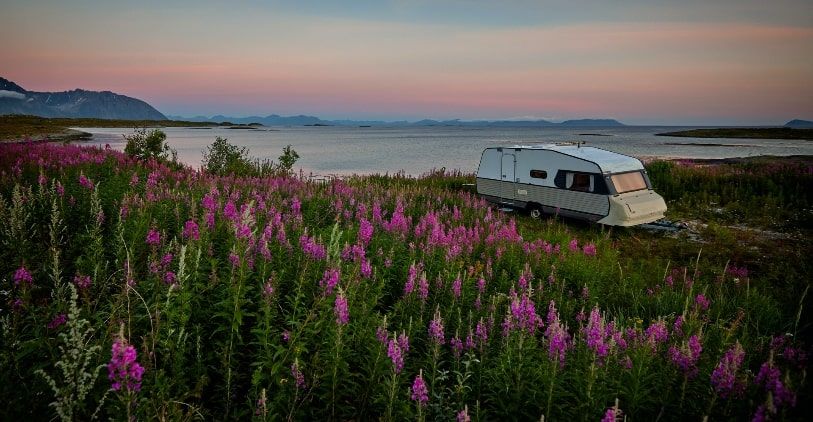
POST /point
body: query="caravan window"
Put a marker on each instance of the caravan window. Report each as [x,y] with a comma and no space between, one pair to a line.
[582,182]
[628,182]
[539,174]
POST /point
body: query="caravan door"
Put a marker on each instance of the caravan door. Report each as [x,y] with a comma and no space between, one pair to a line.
[507,187]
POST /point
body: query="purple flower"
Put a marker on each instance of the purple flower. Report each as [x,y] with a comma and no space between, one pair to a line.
[589,249]
[365,232]
[329,280]
[395,353]
[724,376]
[123,370]
[22,275]
[686,356]
[612,414]
[557,335]
[85,182]
[299,377]
[420,394]
[153,237]
[169,277]
[481,331]
[769,377]
[463,415]
[701,303]
[423,288]
[58,321]
[234,259]
[381,334]
[457,346]
[573,245]
[190,230]
[656,333]
[436,329]
[340,309]
[457,285]
[311,248]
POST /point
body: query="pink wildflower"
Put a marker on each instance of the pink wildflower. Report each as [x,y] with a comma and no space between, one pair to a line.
[123,370]
[420,394]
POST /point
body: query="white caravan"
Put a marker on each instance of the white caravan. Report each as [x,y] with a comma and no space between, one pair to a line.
[570,180]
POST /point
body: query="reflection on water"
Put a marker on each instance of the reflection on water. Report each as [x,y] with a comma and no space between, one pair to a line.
[416,150]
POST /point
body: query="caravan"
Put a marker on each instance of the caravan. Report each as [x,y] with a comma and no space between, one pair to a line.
[570,180]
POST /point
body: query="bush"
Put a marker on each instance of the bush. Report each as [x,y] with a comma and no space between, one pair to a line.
[145,145]
[222,158]
[287,159]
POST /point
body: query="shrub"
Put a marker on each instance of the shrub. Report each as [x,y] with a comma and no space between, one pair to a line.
[223,158]
[145,145]
[287,159]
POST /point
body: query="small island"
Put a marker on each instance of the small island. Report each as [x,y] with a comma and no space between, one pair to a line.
[744,133]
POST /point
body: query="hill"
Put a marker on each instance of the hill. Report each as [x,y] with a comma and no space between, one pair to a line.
[78,103]
[798,123]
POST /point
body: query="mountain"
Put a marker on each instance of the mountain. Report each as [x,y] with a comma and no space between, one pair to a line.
[14,99]
[798,124]
[270,120]
[591,123]
[302,120]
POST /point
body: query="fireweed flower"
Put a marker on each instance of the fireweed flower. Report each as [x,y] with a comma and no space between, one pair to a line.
[395,353]
[595,334]
[190,230]
[81,281]
[123,370]
[701,303]
[330,280]
[403,342]
[58,321]
[769,377]
[423,288]
[557,335]
[612,414]
[299,377]
[153,237]
[22,275]
[85,182]
[420,394]
[656,333]
[456,287]
[457,346]
[573,245]
[481,331]
[365,232]
[589,249]
[340,309]
[436,329]
[724,376]
[463,415]
[685,357]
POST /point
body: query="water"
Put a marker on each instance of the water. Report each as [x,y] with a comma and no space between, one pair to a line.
[416,150]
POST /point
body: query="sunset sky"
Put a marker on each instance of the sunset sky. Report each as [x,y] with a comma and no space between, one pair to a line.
[641,62]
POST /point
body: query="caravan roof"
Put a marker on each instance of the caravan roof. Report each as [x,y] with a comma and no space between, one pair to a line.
[608,161]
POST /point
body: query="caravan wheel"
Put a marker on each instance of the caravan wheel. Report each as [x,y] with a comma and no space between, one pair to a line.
[535,211]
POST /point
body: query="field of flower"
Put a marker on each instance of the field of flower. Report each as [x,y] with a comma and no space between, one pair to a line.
[139,290]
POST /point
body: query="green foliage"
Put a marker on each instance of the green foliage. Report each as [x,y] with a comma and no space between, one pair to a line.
[145,145]
[287,159]
[222,158]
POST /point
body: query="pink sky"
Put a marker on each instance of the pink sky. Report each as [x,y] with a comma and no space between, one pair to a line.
[225,61]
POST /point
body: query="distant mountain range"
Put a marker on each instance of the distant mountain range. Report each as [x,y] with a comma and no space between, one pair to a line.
[799,124]
[301,120]
[14,99]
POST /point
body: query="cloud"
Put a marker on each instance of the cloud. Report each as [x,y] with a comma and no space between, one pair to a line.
[12,94]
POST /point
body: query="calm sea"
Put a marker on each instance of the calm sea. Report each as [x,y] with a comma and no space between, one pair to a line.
[416,150]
